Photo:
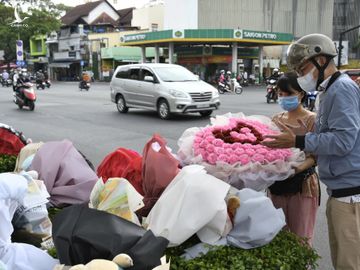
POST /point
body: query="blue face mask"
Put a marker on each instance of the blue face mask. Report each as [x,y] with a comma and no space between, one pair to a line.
[289,103]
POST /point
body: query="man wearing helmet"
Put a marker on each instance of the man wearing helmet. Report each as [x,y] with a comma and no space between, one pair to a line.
[335,142]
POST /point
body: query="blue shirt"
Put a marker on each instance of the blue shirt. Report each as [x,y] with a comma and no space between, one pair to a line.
[336,140]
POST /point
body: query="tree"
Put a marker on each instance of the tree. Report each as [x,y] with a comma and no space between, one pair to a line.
[42,18]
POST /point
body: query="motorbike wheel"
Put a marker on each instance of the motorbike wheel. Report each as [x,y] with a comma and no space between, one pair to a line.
[268,99]
[221,90]
[238,90]
[87,88]
[31,105]
[20,106]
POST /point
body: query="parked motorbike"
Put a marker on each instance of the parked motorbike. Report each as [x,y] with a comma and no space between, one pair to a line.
[40,84]
[48,83]
[271,91]
[233,87]
[25,96]
[84,85]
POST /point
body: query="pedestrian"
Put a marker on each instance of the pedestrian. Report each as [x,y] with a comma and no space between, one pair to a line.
[335,142]
[298,195]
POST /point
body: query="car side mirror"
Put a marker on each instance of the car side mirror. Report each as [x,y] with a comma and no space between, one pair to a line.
[149,79]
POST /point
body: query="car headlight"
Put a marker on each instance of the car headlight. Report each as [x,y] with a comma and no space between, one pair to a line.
[179,94]
[215,94]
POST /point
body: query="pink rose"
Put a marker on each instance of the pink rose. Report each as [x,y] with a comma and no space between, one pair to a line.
[200,134]
[198,139]
[250,152]
[233,159]
[196,145]
[235,146]
[210,148]
[223,158]
[229,151]
[212,158]
[258,158]
[227,146]
[242,137]
[270,157]
[210,138]
[218,143]
[247,146]
[278,155]
[219,151]
[239,151]
[244,159]
[262,151]
[245,130]
[203,144]
[203,154]
[234,134]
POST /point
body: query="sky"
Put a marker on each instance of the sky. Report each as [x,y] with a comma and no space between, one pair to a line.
[121,3]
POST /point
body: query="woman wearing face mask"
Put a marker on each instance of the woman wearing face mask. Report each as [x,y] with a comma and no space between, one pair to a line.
[298,196]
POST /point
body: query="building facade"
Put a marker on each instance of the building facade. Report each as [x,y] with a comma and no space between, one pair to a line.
[288,16]
[346,16]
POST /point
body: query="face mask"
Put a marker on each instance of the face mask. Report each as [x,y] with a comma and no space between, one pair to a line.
[289,103]
[307,82]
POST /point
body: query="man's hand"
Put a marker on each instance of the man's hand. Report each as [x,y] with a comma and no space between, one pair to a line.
[285,139]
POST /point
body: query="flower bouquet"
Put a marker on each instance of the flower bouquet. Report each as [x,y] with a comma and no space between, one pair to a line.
[231,150]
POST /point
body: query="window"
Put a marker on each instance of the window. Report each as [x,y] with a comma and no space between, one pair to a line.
[154,27]
[123,74]
[145,72]
[134,74]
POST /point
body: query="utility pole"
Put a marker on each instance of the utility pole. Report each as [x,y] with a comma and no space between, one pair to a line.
[340,43]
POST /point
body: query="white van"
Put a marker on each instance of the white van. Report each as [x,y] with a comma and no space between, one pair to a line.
[164,88]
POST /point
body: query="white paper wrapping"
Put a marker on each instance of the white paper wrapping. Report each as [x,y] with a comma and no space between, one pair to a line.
[17,256]
[256,222]
[194,202]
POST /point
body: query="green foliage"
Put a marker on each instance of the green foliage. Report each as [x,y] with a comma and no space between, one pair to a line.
[285,252]
[7,163]
[52,252]
[43,17]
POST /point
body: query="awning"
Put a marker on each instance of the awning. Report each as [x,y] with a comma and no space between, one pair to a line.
[60,65]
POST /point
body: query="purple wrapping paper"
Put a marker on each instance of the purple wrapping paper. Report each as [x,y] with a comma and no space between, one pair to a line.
[67,176]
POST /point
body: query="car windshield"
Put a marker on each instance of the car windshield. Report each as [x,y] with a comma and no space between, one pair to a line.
[175,74]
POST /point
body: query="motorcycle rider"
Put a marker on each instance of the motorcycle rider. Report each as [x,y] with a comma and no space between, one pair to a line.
[21,80]
[40,77]
[222,76]
[228,79]
[85,78]
[275,75]
[15,78]
[5,76]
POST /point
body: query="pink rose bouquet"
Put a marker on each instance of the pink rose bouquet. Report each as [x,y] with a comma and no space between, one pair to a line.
[231,150]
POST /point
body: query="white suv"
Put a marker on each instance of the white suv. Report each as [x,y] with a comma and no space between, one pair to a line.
[163,88]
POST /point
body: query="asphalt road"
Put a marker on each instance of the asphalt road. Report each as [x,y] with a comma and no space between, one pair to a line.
[91,121]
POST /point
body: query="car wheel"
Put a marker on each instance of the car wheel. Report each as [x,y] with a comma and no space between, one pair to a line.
[121,105]
[164,109]
[205,113]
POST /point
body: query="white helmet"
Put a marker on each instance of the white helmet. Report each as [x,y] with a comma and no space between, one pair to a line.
[228,72]
[308,47]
